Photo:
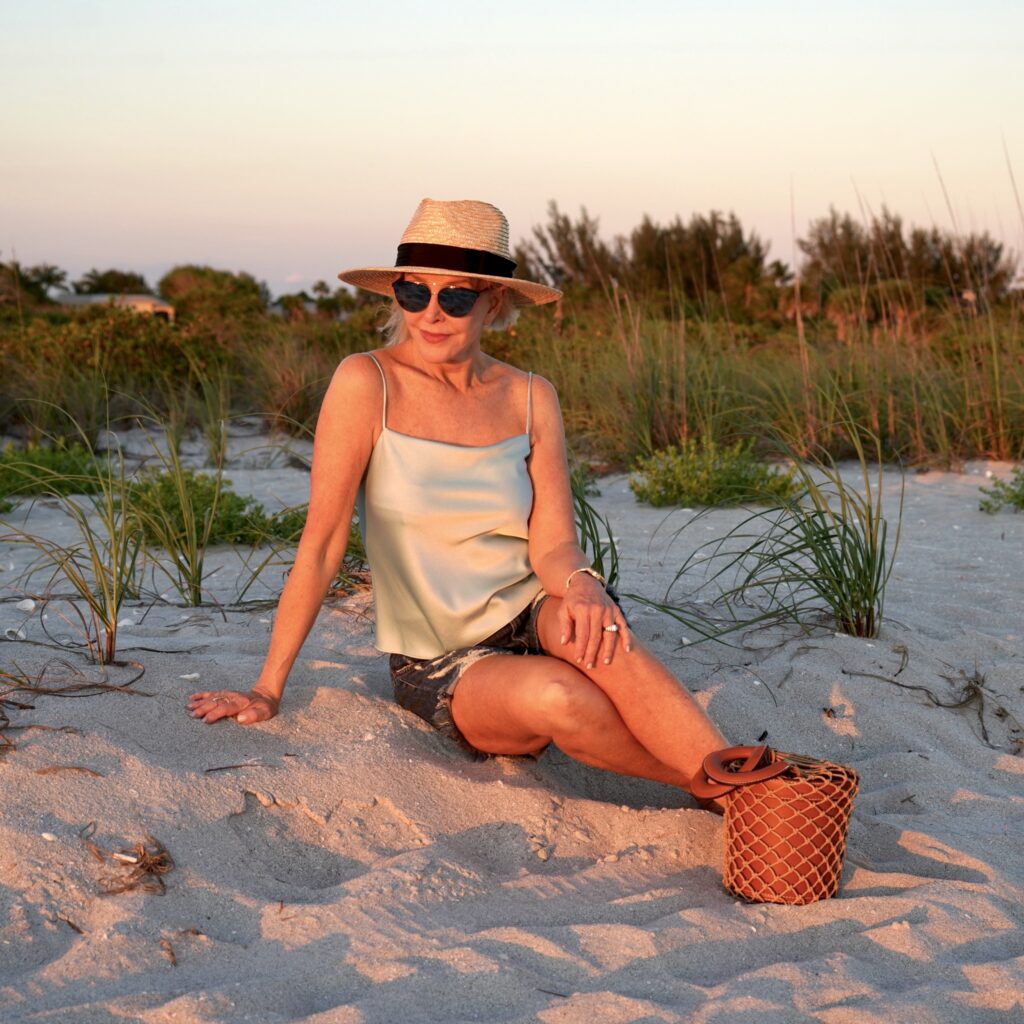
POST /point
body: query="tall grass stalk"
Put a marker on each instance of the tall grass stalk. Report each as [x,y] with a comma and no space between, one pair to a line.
[179,535]
[214,386]
[101,567]
[595,533]
[939,391]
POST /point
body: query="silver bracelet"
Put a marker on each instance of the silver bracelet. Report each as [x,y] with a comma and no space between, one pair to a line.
[590,572]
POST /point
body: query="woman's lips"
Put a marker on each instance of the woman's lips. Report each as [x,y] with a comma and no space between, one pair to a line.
[429,336]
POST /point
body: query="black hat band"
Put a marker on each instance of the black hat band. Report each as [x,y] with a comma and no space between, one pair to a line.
[454,257]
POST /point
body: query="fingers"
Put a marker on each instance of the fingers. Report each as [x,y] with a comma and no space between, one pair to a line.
[214,705]
[622,636]
[246,708]
[594,637]
[259,709]
[615,633]
[565,625]
[598,631]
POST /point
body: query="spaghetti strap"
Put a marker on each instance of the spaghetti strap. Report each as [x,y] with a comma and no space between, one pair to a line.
[529,401]
[384,410]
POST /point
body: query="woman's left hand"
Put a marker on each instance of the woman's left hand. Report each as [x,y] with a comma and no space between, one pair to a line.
[594,624]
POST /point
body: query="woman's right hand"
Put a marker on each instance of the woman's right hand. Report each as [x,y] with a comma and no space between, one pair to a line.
[245,707]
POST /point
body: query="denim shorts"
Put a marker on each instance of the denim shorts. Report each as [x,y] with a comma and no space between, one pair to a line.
[425,686]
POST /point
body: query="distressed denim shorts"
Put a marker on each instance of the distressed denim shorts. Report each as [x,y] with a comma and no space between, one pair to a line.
[425,686]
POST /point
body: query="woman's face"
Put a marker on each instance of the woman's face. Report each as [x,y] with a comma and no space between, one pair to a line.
[441,337]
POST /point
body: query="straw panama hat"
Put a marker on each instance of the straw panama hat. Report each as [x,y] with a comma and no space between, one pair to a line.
[458,237]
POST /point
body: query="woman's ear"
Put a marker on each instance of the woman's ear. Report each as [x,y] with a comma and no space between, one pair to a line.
[495,296]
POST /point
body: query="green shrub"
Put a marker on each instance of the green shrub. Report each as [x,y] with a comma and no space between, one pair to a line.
[237,519]
[156,497]
[709,474]
[35,469]
[1004,492]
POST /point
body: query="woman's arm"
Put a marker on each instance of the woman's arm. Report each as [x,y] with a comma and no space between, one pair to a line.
[346,430]
[555,552]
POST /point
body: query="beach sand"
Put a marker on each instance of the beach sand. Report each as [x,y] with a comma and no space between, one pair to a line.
[343,863]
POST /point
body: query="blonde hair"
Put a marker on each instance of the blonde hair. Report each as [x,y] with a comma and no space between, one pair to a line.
[394,329]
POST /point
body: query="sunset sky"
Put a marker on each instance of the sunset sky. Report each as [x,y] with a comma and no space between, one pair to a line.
[295,139]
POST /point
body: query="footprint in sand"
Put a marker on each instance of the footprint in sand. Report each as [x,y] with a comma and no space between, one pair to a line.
[283,847]
[290,853]
[375,829]
[33,932]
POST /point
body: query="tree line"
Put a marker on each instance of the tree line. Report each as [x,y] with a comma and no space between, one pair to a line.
[712,267]
[709,267]
[195,291]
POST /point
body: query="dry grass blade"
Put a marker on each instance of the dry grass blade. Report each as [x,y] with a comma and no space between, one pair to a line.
[28,726]
[972,695]
[55,769]
[14,682]
[141,867]
[86,834]
[243,764]
[6,744]
[19,682]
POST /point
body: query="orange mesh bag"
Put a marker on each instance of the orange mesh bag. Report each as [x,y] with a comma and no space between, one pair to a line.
[786,819]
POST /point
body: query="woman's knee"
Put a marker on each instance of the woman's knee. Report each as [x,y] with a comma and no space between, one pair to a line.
[568,702]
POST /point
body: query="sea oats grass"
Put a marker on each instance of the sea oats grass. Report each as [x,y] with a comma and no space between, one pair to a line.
[826,550]
[102,566]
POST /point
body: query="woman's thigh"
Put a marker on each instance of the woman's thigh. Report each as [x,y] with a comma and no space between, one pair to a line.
[516,704]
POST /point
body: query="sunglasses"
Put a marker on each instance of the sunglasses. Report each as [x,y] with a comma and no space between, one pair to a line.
[414,298]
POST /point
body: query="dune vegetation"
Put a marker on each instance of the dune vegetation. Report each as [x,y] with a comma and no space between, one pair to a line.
[677,333]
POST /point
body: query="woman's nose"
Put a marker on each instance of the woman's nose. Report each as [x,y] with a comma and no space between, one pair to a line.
[433,312]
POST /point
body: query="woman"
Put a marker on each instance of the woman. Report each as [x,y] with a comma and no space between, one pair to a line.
[500,634]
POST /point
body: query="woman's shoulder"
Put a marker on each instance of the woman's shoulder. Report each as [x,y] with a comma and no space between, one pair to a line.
[357,382]
[526,386]
[361,368]
[362,362]
[517,375]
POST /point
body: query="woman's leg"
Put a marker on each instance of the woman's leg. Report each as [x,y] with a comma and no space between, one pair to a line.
[655,707]
[517,704]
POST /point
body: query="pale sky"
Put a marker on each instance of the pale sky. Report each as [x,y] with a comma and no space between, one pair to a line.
[295,139]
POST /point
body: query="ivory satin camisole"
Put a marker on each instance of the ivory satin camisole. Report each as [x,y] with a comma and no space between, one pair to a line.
[445,528]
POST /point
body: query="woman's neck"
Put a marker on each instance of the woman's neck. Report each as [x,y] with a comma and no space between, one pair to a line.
[460,374]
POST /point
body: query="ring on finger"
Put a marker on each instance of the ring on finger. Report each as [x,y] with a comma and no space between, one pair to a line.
[613,628]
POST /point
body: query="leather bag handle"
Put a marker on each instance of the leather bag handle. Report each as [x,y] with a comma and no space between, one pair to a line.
[716,778]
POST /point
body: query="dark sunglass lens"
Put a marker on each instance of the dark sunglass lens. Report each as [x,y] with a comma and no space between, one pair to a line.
[457,301]
[412,297]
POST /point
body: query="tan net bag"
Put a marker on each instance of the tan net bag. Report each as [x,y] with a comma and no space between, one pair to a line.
[786,819]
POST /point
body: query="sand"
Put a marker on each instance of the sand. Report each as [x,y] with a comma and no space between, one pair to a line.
[343,863]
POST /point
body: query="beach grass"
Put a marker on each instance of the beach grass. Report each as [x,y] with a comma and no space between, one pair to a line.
[937,388]
[102,564]
[643,385]
[827,548]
